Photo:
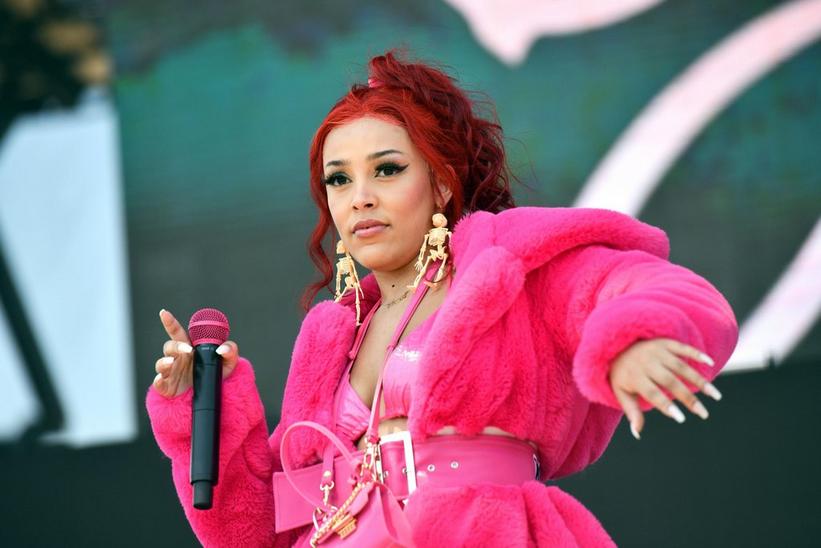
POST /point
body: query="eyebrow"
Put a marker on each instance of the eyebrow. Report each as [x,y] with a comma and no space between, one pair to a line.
[373,156]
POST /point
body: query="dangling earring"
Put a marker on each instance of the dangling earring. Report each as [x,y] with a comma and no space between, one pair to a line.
[346,271]
[436,246]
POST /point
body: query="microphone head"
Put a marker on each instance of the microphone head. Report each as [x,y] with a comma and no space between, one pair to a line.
[208,325]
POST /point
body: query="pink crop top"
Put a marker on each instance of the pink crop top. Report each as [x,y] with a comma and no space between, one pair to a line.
[400,373]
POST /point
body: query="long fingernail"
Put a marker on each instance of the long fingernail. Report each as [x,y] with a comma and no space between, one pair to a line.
[184,347]
[168,360]
[700,410]
[222,349]
[706,359]
[712,391]
[675,413]
[634,431]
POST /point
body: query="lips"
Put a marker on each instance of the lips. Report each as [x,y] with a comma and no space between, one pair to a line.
[368,227]
[368,223]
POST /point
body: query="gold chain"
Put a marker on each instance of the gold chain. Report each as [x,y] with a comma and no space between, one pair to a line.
[398,299]
[339,515]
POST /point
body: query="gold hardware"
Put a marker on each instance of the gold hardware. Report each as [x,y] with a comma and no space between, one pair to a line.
[345,526]
[339,520]
[326,492]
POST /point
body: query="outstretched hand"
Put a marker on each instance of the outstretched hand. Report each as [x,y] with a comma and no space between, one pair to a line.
[647,367]
[175,369]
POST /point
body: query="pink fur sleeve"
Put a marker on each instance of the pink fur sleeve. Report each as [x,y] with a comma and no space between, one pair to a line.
[616,298]
[243,510]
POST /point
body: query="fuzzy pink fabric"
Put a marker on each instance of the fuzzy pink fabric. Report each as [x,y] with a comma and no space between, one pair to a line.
[541,302]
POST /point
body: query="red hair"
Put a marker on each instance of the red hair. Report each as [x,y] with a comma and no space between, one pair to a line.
[464,150]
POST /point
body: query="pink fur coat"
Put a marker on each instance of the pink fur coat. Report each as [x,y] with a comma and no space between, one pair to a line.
[542,301]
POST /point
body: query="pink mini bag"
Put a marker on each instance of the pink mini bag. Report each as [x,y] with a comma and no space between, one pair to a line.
[357,509]
[370,515]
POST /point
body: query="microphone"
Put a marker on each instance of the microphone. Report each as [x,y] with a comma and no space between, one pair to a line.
[208,329]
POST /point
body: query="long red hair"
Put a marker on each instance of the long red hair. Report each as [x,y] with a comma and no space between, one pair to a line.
[464,150]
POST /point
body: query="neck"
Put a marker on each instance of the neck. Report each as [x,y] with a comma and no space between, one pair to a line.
[393,284]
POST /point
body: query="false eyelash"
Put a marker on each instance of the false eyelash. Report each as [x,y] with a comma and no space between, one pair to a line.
[396,167]
[330,178]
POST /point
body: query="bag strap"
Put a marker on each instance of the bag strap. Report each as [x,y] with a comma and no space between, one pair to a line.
[286,459]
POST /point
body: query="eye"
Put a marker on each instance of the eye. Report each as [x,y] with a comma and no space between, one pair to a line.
[336,179]
[389,168]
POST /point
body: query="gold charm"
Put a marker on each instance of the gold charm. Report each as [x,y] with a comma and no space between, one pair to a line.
[346,273]
[341,522]
[345,526]
[435,245]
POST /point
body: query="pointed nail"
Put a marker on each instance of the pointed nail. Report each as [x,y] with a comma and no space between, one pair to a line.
[706,359]
[700,410]
[185,348]
[675,413]
[634,431]
[712,391]
[222,349]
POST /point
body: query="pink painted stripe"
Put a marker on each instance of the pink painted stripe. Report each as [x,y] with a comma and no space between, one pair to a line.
[635,165]
[508,28]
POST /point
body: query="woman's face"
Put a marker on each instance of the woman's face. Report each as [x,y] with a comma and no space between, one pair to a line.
[379,192]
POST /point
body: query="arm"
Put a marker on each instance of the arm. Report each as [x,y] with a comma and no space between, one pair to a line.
[613,299]
[243,510]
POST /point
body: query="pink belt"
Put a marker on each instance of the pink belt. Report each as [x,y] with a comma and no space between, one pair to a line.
[445,461]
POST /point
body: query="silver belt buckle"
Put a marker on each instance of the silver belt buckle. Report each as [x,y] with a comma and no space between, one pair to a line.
[410,464]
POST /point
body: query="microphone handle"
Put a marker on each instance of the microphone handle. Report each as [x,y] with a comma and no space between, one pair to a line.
[205,418]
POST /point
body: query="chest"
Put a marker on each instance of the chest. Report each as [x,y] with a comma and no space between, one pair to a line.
[373,350]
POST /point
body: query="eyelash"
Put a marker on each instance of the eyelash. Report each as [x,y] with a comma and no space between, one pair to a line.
[334,178]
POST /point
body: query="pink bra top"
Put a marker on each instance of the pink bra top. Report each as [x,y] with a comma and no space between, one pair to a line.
[353,415]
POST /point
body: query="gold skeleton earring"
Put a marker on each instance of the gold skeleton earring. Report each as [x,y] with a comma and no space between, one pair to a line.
[436,246]
[346,272]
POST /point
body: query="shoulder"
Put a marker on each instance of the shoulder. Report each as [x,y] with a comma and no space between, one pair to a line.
[535,235]
[325,324]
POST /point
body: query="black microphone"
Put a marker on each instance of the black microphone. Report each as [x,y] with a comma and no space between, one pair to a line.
[208,329]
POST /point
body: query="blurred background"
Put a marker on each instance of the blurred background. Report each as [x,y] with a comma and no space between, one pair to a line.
[154,155]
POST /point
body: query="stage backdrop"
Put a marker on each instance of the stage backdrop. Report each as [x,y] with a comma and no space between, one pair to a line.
[699,117]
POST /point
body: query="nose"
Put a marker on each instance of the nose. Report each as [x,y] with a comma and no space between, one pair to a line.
[363,197]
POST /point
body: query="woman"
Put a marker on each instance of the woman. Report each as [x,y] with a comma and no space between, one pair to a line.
[548,325]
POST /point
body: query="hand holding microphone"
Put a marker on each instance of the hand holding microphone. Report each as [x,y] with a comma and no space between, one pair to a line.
[201,361]
[174,369]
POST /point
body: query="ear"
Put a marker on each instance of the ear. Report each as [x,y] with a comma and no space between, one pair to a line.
[443,192]
[443,197]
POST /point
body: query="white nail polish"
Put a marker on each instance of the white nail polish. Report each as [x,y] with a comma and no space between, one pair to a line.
[168,360]
[675,413]
[707,359]
[183,347]
[634,431]
[222,349]
[700,410]
[712,391]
